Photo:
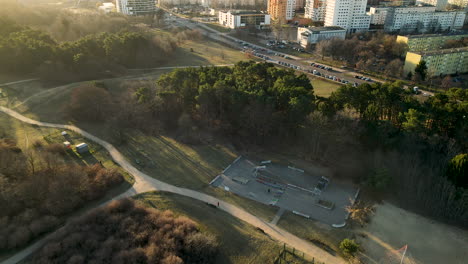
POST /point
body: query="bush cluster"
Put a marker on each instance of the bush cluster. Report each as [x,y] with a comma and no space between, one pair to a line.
[125,232]
[38,188]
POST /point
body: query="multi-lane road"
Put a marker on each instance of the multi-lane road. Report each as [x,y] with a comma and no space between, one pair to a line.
[332,74]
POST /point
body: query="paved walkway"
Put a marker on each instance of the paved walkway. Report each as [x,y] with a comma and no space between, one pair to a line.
[145,183]
[277,216]
[17,82]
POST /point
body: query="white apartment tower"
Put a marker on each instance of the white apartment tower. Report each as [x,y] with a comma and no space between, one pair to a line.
[136,7]
[348,14]
[315,9]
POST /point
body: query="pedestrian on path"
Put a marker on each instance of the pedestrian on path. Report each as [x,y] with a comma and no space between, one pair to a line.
[218,204]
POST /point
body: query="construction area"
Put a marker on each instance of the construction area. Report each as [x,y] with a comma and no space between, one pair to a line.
[289,188]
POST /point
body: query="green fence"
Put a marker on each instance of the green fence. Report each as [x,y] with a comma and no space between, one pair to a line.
[290,255]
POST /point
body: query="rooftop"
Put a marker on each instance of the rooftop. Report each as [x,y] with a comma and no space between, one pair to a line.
[436,35]
[243,12]
[318,29]
[442,51]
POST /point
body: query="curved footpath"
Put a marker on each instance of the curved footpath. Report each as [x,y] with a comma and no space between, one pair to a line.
[145,183]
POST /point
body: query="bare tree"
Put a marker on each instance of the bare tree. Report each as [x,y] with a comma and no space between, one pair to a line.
[360,212]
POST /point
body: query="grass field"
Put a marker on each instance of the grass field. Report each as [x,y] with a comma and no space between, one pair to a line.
[324,88]
[218,27]
[205,52]
[239,242]
[322,235]
[190,166]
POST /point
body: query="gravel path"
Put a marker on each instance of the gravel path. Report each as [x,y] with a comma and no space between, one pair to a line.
[145,183]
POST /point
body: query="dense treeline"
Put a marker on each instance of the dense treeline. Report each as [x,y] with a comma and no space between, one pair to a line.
[124,232]
[25,50]
[65,24]
[410,149]
[376,52]
[37,188]
[379,135]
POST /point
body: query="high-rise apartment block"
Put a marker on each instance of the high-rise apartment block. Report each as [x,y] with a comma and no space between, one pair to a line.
[429,42]
[136,7]
[377,15]
[281,9]
[315,9]
[348,14]
[422,19]
[438,62]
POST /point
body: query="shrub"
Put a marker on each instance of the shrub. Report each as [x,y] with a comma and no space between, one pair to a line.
[19,237]
[349,247]
[37,143]
[124,232]
[56,148]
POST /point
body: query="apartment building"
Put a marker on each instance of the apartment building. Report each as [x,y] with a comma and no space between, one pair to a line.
[422,19]
[242,19]
[299,4]
[136,7]
[281,9]
[377,15]
[348,14]
[428,42]
[439,62]
[313,35]
[440,5]
[315,9]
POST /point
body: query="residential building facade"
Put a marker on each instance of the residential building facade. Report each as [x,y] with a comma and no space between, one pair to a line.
[281,9]
[299,4]
[136,7]
[313,35]
[422,19]
[439,62]
[242,19]
[315,9]
[377,15]
[348,14]
[428,42]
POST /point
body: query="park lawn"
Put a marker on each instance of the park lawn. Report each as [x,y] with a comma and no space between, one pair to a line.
[324,88]
[239,242]
[189,166]
[322,235]
[205,52]
[218,27]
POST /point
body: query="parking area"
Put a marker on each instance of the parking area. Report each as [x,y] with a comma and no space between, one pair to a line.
[292,189]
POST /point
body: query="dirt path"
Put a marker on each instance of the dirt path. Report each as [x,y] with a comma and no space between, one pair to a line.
[145,183]
[52,93]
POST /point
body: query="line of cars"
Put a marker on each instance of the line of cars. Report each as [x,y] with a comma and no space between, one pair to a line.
[316,65]
[253,50]
[363,78]
[330,77]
